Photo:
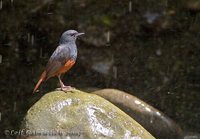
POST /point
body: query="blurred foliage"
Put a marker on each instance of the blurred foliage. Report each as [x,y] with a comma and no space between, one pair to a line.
[154,46]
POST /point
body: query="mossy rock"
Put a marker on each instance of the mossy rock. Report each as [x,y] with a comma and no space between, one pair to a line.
[79,115]
[153,120]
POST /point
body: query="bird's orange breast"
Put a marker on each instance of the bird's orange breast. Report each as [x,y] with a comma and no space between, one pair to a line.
[66,67]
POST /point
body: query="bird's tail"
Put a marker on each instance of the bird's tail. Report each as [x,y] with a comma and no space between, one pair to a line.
[42,78]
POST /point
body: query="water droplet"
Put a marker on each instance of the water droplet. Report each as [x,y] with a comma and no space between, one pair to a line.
[41,53]
[130,6]
[28,37]
[32,39]
[1,59]
[14,106]
[1,4]
[115,72]
[108,37]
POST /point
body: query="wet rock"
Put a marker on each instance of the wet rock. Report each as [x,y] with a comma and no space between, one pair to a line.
[79,115]
[158,124]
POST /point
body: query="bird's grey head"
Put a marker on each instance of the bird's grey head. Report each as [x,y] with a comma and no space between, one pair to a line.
[69,36]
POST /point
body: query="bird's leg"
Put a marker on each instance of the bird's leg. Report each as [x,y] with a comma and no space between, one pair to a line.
[63,87]
[61,83]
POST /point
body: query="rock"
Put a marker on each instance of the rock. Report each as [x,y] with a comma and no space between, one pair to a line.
[158,124]
[79,115]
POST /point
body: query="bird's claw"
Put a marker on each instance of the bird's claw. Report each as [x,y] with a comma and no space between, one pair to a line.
[66,89]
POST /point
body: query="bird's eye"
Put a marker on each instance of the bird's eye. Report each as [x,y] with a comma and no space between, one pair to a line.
[72,34]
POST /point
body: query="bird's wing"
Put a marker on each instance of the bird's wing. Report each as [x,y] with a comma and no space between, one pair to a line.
[58,59]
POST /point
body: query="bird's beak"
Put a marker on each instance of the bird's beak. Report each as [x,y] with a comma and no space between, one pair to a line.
[79,34]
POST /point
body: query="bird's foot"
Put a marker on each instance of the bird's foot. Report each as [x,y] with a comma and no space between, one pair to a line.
[66,89]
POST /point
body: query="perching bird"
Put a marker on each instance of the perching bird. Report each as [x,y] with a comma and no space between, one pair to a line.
[62,59]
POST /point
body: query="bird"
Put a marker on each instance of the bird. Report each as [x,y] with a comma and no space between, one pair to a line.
[62,59]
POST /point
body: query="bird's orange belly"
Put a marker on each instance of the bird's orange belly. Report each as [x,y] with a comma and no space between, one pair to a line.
[66,67]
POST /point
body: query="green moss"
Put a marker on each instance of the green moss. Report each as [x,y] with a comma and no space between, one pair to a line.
[82,112]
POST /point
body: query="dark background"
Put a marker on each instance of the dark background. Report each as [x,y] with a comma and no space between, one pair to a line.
[153,52]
